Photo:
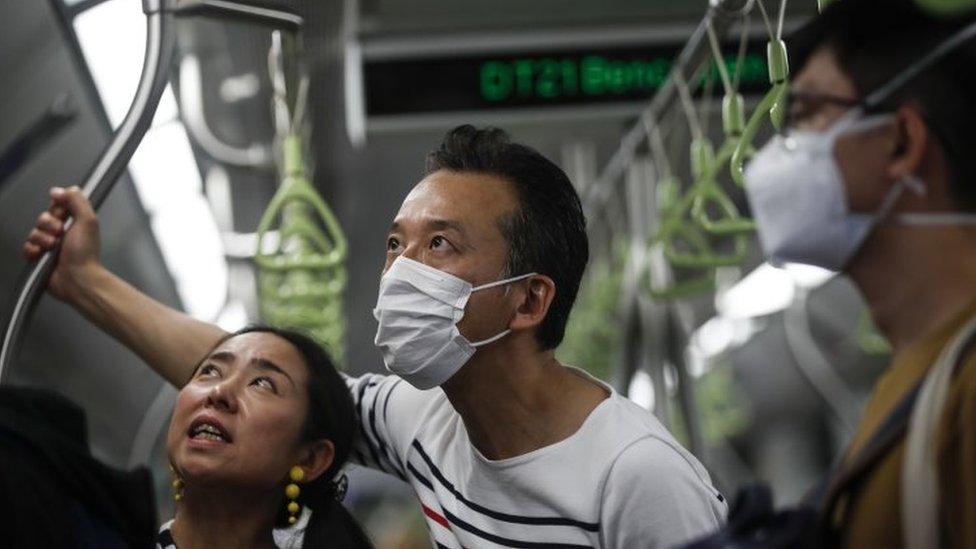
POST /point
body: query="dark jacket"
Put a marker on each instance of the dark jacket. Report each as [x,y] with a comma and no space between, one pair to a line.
[53,493]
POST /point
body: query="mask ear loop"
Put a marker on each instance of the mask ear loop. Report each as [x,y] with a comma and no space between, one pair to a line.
[887,204]
[917,186]
[497,283]
[874,100]
[492,339]
[877,97]
[502,282]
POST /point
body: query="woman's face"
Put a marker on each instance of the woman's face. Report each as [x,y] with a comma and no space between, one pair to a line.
[239,420]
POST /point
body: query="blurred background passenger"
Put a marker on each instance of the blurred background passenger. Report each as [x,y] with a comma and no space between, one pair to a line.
[876,178]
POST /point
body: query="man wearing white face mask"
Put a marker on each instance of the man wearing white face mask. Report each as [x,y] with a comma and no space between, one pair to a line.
[504,446]
[876,178]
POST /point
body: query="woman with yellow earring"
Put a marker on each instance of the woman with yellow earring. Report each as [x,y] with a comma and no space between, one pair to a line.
[256,443]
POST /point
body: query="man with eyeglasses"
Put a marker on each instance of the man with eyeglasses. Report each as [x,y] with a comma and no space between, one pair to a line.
[875,178]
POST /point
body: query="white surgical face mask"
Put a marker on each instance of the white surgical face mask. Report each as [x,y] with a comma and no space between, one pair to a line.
[799,201]
[418,309]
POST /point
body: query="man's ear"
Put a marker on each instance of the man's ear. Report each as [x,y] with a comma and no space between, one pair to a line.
[912,144]
[317,459]
[535,302]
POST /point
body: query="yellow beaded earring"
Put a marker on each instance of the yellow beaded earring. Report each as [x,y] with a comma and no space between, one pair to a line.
[177,484]
[292,491]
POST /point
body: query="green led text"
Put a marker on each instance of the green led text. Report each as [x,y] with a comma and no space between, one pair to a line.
[591,76]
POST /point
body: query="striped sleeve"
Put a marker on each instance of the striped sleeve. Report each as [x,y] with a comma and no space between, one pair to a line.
[388,411]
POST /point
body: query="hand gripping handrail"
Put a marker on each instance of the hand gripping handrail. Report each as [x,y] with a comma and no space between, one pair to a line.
[160,45]
[159,51]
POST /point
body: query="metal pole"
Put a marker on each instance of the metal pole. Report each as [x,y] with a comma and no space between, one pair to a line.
[159,51]
[680,327]
[160,45]
[260,15]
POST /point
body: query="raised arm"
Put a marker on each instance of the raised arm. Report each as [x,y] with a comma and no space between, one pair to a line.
[171,342]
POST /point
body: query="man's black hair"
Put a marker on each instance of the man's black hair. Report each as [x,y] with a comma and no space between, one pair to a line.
[874,40]
[547,234]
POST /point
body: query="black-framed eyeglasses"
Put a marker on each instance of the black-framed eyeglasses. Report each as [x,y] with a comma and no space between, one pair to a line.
[803,105]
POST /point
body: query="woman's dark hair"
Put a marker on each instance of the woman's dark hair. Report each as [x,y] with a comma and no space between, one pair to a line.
[332,416]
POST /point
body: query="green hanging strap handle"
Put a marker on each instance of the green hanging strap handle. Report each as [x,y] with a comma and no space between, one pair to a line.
[774,103]
[680,226]
[686,226]
[707,191]
[869,339]
[942,8]
[301,281]
[296,202]
[684,289]
[668,195]
[677,228]
[706,165]
[670,203]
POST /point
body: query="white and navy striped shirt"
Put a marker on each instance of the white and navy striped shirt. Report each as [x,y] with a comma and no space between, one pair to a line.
[285,538]
[164,539]
[621,481]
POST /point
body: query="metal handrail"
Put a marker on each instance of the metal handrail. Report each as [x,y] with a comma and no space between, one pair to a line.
[254,155]
[160,46]
[160,40]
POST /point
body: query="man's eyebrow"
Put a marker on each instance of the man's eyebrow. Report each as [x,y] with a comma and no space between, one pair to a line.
[265,364]
[447,224]
[438,224]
